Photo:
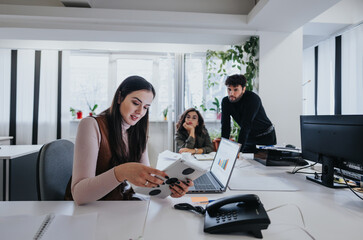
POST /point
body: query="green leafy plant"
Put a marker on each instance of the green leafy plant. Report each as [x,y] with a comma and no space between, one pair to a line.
[92,109]
[235,130]
[165,113]
[217,104]
[73,112]
[203,106]
[238,55]
[214,133]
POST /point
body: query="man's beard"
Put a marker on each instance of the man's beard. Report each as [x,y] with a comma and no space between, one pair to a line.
[235,100]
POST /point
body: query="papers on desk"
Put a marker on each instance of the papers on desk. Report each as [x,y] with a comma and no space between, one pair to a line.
[202,157]
[169,155]
[50,226]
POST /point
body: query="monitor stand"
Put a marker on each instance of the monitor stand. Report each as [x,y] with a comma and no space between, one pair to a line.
[327,175]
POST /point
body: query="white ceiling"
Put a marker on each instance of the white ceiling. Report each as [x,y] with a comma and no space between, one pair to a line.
[334,21]
[162,21]
[202,6]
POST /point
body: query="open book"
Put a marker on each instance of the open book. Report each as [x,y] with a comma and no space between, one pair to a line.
[48,227]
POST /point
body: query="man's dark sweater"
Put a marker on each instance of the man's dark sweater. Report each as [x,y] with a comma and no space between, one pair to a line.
[250,115]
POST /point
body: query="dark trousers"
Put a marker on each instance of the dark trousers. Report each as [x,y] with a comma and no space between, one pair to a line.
[252,141]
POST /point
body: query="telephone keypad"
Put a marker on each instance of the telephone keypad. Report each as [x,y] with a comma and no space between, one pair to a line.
[226,216]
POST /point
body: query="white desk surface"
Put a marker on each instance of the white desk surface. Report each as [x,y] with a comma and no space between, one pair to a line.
[14,151]
[116,219]
[328,213]
[5,138]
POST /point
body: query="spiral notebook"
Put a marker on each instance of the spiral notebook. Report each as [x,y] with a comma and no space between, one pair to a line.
[48,226]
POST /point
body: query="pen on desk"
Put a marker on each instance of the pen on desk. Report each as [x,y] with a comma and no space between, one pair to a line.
[265,146]
[205,202]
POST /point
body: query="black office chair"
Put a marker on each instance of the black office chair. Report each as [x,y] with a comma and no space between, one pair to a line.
[54,169]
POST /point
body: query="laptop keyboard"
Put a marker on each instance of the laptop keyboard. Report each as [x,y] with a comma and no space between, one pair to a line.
[203,182]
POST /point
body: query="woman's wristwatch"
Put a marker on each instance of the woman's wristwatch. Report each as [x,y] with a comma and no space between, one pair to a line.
[196,150]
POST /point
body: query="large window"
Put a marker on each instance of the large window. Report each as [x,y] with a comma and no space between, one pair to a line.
[88,82]
[326,77]
[157,70]
[95,77]
[352,71]
[351,87]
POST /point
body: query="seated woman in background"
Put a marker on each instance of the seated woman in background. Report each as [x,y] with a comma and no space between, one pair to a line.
[110,149]
[191,135]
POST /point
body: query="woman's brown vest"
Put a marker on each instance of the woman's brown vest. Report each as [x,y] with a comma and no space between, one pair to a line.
[121,192]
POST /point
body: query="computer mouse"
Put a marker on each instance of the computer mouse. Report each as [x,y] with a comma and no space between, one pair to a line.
[290,146]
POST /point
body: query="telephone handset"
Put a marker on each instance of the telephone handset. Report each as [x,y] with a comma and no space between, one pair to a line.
[237,213]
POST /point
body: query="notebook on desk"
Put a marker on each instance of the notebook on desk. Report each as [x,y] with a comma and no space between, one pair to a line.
[50,226]
[217,178]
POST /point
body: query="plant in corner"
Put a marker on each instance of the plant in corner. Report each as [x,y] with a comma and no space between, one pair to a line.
[245,54]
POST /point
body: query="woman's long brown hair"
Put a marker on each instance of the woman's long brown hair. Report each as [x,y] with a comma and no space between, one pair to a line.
[137,134]
[198,129]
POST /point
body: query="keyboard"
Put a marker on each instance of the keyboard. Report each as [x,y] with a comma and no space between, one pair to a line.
[203,182]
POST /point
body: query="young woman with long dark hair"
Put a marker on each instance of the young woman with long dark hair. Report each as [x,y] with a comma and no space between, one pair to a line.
[191,135]
[111,149]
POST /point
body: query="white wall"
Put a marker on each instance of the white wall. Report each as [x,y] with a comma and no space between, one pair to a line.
[280,79]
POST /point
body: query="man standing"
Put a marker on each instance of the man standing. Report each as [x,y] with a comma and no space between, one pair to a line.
[246,109]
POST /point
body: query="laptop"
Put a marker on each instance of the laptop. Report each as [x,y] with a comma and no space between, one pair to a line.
[217,178]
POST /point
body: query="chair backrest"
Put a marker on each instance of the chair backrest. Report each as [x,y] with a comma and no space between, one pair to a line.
[54,169]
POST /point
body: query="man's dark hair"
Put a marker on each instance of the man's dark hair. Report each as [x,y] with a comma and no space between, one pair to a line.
[235,80]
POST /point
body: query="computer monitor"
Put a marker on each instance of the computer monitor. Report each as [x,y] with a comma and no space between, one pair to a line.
[333,141]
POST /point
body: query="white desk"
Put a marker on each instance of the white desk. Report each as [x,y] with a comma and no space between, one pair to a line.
[328,213]
[5,140]
[9,152]
[116,219]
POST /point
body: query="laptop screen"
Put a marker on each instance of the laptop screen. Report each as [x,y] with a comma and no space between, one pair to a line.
[224,160]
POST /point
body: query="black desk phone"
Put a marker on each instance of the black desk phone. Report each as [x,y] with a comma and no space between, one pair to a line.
[238,213]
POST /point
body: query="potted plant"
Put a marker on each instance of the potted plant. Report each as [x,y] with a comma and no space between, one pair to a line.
[165,113]
[217,108]
[79,114]
[215,136]
[73,112]
[76,114]
[92,109]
